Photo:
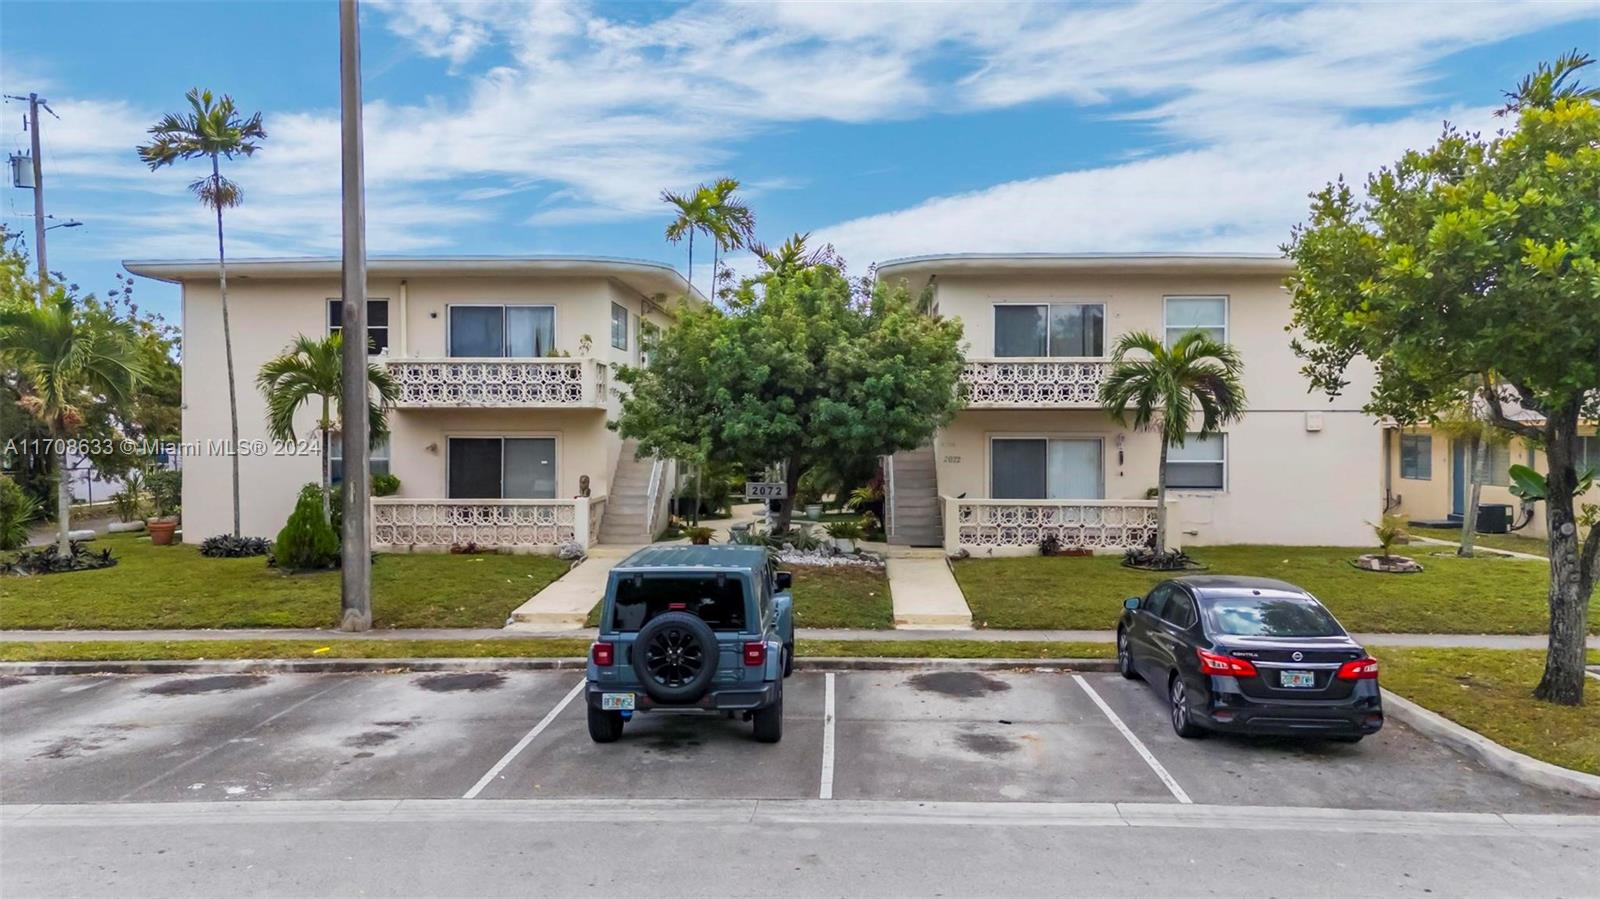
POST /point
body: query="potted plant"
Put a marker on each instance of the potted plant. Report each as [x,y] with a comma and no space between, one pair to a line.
[166,492]
[128,503]
[699,535]
[845,534]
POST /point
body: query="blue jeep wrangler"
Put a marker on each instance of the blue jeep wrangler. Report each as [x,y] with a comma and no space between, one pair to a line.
[692,628]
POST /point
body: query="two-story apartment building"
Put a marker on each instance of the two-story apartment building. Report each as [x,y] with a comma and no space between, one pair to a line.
[499,437]
[1035,453]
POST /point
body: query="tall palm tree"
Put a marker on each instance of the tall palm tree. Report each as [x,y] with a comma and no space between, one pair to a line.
[1161,388]
[67,358]
[212,129]
[712,210]
[314,368]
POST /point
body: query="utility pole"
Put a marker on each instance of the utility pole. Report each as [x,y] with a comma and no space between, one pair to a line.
[34,103]
[355,578]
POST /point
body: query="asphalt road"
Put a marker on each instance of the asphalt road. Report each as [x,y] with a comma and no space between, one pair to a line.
[916,783]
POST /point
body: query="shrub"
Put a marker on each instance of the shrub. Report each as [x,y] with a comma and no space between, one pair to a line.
[166,490]
[1049,545]
[845,530]
[1389,531]
[47,561]
[227,546]
[129,501]
[307,542]
[1147,558]
[18,511]
[385,485]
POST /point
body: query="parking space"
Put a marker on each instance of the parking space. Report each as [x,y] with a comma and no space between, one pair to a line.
[934,735]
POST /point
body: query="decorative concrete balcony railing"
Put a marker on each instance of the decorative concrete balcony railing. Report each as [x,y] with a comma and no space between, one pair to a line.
[1034,383]
[559,383]
[1003,527]
[509,525]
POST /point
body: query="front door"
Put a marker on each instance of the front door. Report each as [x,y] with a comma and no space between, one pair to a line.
[1458,477]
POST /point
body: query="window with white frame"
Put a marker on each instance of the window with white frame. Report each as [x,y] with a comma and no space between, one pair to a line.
[377,324]
[619,326]
[1050,329]
[1046,468]
[1209,315]
[1499,465]
[1416,457]
[1200,464]
[649,336]
[377,458]
[522,332]
[1588,457]
[501,467]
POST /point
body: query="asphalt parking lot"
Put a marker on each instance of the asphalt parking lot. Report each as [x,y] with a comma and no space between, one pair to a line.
[936,735]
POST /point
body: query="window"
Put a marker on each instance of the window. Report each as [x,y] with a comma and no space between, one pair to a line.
[1059,329]
[502,468]
[1588,457]
[1499,465]
[1180,609]
[1207,314]
[717,599]
[619,327]
[1200,464]
[377,458]
[649,336]
[1416,457]
[1156,602]
[524,332]
[1039,468]
[377,324]
[1276,617]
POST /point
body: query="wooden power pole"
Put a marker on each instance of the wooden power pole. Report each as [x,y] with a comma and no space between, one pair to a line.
[355,580]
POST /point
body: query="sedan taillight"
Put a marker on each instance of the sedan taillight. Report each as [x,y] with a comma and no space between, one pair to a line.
[603,654]
[1359,669]
[1225,666]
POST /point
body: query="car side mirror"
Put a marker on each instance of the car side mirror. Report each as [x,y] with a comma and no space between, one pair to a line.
[784,580]
[1131,603]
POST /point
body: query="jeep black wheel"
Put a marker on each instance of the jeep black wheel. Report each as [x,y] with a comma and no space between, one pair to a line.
[788,659]
[604,727]
[675,657]
[769,720]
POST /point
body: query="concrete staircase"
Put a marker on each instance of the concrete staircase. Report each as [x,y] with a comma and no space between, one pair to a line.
[627,500]
[915,500]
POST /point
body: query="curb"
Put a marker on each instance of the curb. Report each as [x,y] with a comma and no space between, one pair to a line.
[1509,762]
[355,666]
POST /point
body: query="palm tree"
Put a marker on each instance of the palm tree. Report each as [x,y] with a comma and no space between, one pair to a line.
[67,358]
[314,368]
[712,210]
[211,129]
[1162,387]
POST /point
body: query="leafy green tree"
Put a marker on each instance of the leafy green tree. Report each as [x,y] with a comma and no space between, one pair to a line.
[1479,259]
[796,372]
[211,129]
[313,369]
[712,210]
[1161,387]
[67,356]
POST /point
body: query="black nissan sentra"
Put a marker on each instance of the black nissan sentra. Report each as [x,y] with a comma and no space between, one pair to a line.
[1250,655]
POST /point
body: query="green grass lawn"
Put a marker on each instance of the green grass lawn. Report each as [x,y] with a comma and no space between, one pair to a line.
[1488,595]
[1491,692]
[1513,542]
[176,587]
[846,596]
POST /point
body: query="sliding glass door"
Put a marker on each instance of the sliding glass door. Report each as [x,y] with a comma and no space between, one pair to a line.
[502,468]
[1045,468]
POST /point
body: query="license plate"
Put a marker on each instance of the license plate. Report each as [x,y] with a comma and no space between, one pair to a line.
[1297,678]
[616,702]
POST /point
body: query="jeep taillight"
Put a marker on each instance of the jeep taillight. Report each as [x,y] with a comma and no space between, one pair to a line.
[755,654]
[603,654]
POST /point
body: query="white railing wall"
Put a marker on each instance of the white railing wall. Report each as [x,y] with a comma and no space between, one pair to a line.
[1014,527]
[1034,383]
[500,383]
[508,525]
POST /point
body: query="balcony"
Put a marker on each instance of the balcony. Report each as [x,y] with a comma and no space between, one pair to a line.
[1002,527]
[508,525]
[454,383]
[1034,383]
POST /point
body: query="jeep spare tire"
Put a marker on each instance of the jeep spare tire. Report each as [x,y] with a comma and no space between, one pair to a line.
[675,657]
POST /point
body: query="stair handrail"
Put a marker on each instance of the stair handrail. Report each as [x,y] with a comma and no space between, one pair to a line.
[653,491]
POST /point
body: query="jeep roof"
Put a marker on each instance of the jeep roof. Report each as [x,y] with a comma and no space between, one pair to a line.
[688,556]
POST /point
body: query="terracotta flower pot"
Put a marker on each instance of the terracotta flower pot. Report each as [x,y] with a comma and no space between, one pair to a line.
[161,530]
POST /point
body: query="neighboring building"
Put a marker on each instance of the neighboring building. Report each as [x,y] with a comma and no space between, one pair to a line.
[1035,452]
[504,366]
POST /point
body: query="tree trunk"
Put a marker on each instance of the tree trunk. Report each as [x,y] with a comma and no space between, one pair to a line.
[63,501]
[791,480]
[690,277]
[1571,579]
[327,464]
[1161,500]
[716,246]
[1480,466]
[227,350]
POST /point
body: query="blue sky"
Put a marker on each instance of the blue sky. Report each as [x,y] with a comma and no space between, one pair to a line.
[887,129]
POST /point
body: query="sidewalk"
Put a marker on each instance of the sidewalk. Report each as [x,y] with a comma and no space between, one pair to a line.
[1433,541]
[566,602]
[1466,641]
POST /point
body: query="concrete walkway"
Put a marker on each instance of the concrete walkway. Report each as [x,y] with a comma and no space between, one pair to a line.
[566,602]
[1434,541]
[924,591]
[1468,641]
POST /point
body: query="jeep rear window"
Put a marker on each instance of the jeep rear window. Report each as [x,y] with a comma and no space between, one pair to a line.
[718,601]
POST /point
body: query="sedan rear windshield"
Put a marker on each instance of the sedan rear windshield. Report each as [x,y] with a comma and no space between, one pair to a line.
[719,601]
[1259,616]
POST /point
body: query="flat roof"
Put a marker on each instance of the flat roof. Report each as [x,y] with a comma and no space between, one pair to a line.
[647,277]
[918,269]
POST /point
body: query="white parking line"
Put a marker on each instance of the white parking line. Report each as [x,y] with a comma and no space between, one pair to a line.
[522,744]
[827,739]
[1161,772]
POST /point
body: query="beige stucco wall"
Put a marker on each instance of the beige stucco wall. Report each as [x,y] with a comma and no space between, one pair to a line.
[267,314]
[1300,469]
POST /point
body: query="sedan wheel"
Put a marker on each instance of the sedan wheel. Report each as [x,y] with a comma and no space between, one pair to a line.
[1124,657]
[1182,724]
